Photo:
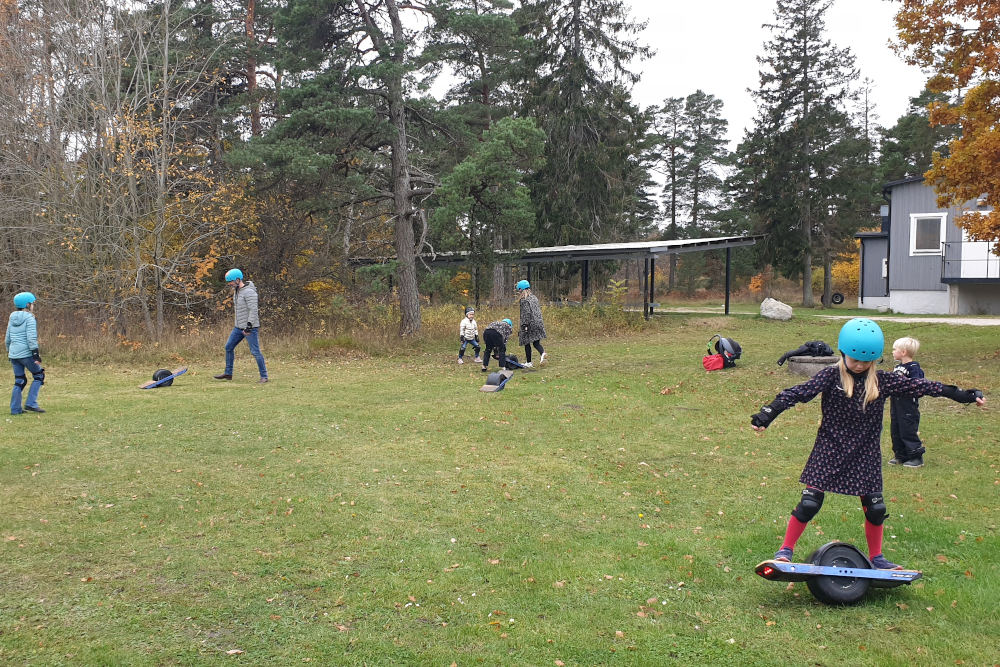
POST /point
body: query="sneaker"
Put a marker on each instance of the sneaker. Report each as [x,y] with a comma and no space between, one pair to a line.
[479,359]
[528,364]
[545,356]
[263,381]
[783,555]
[914,463]
[223,376]
[894,461]
[486,370]
[460,361]
[33,409]
[882,563]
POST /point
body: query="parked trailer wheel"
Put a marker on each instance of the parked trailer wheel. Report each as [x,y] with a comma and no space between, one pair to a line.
[838,590]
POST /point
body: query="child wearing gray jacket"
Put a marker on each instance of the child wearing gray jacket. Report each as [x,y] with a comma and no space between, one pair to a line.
[468,333]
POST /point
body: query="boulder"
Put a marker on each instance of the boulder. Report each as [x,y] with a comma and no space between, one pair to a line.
[809,366]
[773,309]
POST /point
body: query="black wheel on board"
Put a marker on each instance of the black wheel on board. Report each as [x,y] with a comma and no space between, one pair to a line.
[160,374]
[838,590]
[495,378]
[837,298]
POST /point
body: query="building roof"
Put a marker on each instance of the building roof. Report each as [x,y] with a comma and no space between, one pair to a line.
[902,181]
[598,251]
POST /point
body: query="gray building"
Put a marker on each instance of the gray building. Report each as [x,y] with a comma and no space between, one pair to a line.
[922,262]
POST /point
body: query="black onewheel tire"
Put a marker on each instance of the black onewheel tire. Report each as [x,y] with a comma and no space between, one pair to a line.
[838,590]
[163,373]
[495,378]
[837,298]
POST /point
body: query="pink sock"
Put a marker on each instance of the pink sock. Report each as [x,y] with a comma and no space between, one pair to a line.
[793,532]
[873,535]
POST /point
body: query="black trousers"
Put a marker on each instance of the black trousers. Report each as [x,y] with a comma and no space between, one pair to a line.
[527,349]
[494,341]
[904,414]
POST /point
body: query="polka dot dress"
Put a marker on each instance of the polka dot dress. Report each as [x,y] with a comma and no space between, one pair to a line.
[846,457]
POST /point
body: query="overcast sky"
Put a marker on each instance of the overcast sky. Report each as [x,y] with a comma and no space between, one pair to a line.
[713,45]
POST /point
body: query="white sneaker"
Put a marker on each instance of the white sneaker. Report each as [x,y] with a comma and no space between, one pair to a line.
[479,359]
[460,360]
[542,360]
[528,364]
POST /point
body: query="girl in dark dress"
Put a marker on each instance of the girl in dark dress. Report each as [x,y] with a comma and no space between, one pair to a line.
[846,457]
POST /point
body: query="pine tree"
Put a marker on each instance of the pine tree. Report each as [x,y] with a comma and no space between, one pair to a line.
[804,82]
[578,86]
[908,147]
[343,137]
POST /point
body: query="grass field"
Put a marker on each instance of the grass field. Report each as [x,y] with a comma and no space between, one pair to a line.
[606,509]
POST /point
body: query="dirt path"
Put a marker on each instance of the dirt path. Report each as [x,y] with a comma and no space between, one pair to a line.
[954,319]
[973,321]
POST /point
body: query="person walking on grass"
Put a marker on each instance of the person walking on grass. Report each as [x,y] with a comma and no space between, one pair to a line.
[468,332]
[495,339]
[21,342]
[846,457]
[247,324]
[904,412]
[532,329]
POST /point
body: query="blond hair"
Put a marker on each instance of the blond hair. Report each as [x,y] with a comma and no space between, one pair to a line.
[871,382]
[907,345]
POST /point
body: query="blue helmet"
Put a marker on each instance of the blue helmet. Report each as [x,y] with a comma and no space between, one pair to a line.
[233,274]
[861,339]
[507,320]
[522,284]
[22,299]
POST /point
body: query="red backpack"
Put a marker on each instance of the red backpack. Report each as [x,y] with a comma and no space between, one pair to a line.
[727,351]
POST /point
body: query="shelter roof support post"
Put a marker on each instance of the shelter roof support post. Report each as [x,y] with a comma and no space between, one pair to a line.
[585,281]
[652,284]
[642,286]
[729,257]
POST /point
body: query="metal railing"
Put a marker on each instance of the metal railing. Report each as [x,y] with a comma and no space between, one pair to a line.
[965,260]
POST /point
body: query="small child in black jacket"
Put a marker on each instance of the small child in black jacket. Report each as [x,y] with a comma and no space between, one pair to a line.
[904,411]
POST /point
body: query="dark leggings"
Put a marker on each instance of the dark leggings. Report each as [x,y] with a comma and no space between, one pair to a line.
[527,350]
[492,340]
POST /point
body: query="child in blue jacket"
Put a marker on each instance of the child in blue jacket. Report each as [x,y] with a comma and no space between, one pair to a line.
[21,342]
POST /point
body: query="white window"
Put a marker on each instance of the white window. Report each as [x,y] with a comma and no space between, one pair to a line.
[927,233]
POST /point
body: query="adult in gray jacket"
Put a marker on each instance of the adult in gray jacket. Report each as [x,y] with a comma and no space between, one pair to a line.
[247,324]
[21,342]
[532,329]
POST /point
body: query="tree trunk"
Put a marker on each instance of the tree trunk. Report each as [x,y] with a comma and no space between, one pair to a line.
[807,258]
[826,299]
[255,127]
[406,269]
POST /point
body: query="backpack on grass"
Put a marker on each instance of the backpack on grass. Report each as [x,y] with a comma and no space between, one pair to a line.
[727,351]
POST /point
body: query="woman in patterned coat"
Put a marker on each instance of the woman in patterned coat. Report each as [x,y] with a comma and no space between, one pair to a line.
[532,329]
[847,457]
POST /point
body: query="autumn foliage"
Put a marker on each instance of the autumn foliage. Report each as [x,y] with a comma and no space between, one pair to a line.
[959,40]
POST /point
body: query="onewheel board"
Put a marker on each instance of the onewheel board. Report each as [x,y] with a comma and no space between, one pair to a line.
[164,380]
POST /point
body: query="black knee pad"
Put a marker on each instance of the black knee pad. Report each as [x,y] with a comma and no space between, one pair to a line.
[874,506]
[812,500]
[20,381]
[40,376]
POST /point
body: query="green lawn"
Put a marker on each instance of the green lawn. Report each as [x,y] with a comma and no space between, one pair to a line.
[606,509]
